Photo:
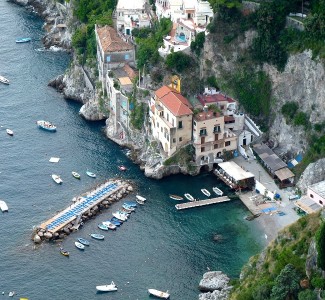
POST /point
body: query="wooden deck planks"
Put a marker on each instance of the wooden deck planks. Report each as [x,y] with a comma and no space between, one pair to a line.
[202,202]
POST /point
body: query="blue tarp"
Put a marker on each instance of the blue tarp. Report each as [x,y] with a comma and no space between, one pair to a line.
[269,209]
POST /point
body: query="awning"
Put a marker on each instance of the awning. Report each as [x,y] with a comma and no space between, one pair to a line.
[307,205]
[284,174]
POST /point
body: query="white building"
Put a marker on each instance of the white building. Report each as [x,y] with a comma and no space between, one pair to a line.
[130,15]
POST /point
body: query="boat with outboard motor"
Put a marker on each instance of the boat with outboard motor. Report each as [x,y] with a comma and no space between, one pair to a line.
[46,125]
[57,178]
[159,294]
[107,288]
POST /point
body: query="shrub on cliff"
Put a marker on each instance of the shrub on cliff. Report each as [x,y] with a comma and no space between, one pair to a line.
[320,244]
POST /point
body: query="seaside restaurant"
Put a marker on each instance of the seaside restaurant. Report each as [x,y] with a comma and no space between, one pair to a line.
[235,176]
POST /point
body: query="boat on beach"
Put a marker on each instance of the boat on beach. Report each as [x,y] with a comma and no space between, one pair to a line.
[206,192]
[159,294]
[46,125]
[10,132]
[97,236]
[189,197]
[64,252]
[91,174]
[4,80]
[23,40]
[57,178]
[176,197]
[3,206]
[217,191]
[107,288]
[79,246]
[75,175]
[83,241]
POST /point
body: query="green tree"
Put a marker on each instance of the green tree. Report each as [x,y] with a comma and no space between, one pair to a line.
[286,284]
[198,43]
[307,295]
[263,292]
[178,61]
[289,109]
[218,5]
[320,244]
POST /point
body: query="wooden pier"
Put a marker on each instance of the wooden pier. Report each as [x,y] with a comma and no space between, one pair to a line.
[199,203]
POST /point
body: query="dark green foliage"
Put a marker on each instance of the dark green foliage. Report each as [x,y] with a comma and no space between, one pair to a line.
[89,10]
[197,45]
[179,61]
[320,244]
[142,33]
[307,295]
[137,114]
[289,110]
[212,82]
[225,7]
[286,284]
[263,291]
[301,119]
[318,282]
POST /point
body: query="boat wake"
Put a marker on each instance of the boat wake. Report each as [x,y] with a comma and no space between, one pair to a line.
[52,49]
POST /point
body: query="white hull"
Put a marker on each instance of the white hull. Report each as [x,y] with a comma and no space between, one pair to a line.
[141,198]
[189,197]
[206,192]
[107,288]
[10,132]
[57,179]
[3,206]
[217,191]
[4,80]
[159,294]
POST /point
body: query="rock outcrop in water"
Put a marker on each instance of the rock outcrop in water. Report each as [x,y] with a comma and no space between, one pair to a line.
[215,286]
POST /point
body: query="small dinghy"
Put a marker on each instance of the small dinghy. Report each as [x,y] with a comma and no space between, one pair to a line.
[4,80]
[97,236]
[23,40]
[109,225]
[107,288]
[79,246]
[91,174]
[11,294]
[141,198]
[102,227]
[189,197]
[10,132]
[122,168]
[75,175]
[83,241]
[48,126]
[206,192]
[159,294]
[64,252]
[217,191]
[128,208]
[3,206]
[57,178]
[175,197]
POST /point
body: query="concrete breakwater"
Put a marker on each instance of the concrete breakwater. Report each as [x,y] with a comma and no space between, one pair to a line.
[83,208]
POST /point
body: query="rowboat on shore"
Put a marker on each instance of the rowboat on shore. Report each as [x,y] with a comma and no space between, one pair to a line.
[176,197]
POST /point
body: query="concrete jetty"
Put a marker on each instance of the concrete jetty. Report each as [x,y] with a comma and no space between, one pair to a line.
[83,207]
[199,203]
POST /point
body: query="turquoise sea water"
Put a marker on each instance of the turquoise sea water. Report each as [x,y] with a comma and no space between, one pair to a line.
[158,247]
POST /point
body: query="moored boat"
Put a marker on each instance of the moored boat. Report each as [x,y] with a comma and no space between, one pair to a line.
[159,294]
[119,216]
[128,208]
[109,225]
[116,222]
[189,197]
[107,288]
[102,227]
[175,197]
[4,80]
[217,191]
[75,175]
[10,132]
[46,125]
[83,241]
[206,192]
[130,203]
[64,252]
[140,198]
[122,168]
[79,246]
[97,236]
[57,178]
[11,294]
[3,206]
[139,202]
[91,174]
[23,40]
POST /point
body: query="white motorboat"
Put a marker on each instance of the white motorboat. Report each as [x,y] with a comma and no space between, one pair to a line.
[217,191]
[139,201]
[3,206]
[206,192]
[57,178]
[4,80]
[107,288]
[120,216]
[79,245]
[109,225]
[10,132]
[140,198]
[159,294]
[189,197]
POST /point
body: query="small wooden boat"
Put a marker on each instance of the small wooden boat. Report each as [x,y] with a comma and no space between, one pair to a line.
[97,236]
[122,168]
[83,241]
[217,191]
[102,227]
[206,192]
[48,126]
[57,178]
[109,225]
[3,206]
[64,252]
[91,174]
[79,246]
[23,40]
[10,132]
[141,198]
[107,288]
[75,175]
[175,197]
[159,294]
[189,197]
[4,80]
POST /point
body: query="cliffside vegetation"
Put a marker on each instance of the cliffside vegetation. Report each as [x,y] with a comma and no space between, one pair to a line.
[279,273]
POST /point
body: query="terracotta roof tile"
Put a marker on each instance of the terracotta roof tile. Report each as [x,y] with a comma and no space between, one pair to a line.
[110,41]
[129,71]
[204,99]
